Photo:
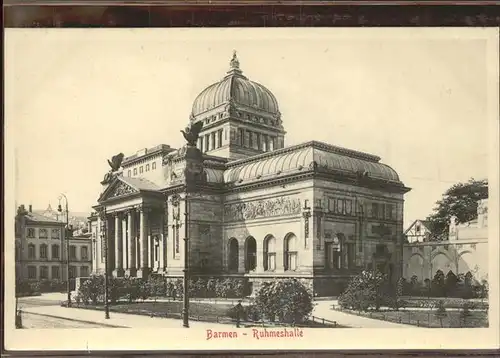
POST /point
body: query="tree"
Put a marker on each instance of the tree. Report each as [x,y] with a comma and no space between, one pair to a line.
[460,201]
[441,312]
[287,301]
[438,284]
[465,312]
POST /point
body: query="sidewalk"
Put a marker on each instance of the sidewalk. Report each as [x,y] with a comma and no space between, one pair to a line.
[119,320]
[323,309]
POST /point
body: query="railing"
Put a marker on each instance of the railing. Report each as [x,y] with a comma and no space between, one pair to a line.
[322,320]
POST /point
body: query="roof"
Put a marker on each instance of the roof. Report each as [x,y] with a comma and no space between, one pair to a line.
[38,218]
[426,223]
[236,88]
[140,184]
[301,157]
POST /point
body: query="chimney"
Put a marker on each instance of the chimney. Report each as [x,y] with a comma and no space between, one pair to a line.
[31,208]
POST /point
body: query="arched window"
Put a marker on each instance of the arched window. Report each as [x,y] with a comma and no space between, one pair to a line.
[291,252]
[233,255]
[270,253]
[250,254]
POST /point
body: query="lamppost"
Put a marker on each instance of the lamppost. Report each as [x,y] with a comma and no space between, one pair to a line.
[185,307]
[66,236]
[104,237]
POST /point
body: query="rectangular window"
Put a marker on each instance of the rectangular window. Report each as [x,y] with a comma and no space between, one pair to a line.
[84,251]
[249,139]
[55,273]
[43,251]
[31,233]
[147,167]
[219,138]
[135,171]
[153,166]
[207,142]
[72,252]
[241,137]
[44,272]
[374,210]
[72,272]
[390,211]
[129,173]
[264,142]
[32,272]
[42,233]
[141,169]
[31,251]
[257,141]
[55,234]
[382,211]
[84,271]
[212,140]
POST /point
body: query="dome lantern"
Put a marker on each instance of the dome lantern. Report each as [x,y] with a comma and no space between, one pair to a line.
[246,111]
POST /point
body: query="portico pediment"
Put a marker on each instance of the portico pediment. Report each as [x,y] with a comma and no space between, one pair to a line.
[118,189]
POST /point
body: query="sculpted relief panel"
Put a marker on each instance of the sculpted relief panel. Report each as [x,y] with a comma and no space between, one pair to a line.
[122,189]
[262,208]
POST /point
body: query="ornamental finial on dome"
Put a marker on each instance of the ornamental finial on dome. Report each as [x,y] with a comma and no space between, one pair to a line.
[235,64]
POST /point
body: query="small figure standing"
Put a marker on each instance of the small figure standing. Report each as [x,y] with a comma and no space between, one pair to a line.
[239,312]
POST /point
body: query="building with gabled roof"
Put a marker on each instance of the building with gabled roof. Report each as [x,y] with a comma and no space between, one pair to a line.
[250,206]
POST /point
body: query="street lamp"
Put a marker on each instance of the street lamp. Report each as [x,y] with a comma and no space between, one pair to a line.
[105,244]
[66,236]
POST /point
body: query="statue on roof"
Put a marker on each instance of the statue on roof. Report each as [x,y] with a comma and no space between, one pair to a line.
[191,133]
[235,63]
[116,162]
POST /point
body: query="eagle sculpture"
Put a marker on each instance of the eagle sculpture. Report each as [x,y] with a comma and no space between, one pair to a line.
[116,162]
[192,133]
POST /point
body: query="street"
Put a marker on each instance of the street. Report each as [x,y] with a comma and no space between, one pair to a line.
[36,321]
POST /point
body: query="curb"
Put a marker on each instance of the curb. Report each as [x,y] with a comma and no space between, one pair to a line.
[74,320]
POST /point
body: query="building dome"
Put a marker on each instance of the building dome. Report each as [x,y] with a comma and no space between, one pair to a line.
[237,90]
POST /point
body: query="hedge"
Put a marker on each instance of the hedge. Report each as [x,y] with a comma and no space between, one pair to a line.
[133,289]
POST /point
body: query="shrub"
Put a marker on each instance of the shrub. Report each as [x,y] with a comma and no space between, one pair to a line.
[366,290]
[465,311]
[287,301]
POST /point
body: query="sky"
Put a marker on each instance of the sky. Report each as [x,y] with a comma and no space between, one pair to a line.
[74,98]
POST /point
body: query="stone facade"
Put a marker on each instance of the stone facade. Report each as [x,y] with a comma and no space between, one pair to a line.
[248,205]
[465,250]
[42,253]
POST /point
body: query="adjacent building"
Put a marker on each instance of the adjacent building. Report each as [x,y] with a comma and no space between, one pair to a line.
[41,251]
[419,231]
[261,210]
[464,250]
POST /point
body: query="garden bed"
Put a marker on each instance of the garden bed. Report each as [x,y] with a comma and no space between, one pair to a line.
[427,318]
[206,312]
[449,302]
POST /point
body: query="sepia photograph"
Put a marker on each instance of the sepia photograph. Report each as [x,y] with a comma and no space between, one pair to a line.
[266,186]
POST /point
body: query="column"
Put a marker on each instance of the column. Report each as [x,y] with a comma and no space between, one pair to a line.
[132,268]
[143,236]
[241,257]
[118,247]
[162,242]
[151,247]
[124,242]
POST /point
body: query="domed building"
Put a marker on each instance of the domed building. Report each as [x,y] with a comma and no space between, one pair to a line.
[250,207]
